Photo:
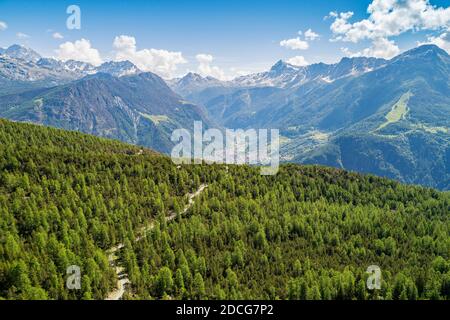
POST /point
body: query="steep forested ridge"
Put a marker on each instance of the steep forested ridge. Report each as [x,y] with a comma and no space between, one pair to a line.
[65,198]
[307,233]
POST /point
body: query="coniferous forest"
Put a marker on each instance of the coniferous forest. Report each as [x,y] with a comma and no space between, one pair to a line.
[308,232]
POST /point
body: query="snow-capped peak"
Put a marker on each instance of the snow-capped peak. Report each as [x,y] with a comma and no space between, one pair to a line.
[119,68]
[17,51]
[283,66]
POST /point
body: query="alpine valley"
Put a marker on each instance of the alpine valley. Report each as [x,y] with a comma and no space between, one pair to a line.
[390,118]
[386,117]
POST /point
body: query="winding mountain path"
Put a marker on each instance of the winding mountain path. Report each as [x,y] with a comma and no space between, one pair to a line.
[122,277]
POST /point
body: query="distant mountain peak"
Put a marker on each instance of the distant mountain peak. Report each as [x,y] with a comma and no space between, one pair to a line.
[78,66]
[18,51]
[426,49]
[282,66]
[195,78]
[428,52]
[279,64]
[194,82]
[357,65]
[192,76]
[119,68]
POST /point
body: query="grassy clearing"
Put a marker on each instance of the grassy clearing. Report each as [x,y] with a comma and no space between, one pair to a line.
[38,103]
[156,119]
[398,111]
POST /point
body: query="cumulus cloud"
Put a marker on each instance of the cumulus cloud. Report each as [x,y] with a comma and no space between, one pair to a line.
[159,61]
[311,35]
[57,35]
[298,43]
[295,44]
[299,61]
[381,48]
[206,69]
[22,35]
[239,72]
[79,50]
[340,26]
[348,52]
[3,26]
[443,40]
[389,18]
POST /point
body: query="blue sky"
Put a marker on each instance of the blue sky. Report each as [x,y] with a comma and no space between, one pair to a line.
[233,36]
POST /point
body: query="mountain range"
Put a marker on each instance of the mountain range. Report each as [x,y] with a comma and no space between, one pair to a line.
[281,75]
[386,117]
[22,69]
[114,100]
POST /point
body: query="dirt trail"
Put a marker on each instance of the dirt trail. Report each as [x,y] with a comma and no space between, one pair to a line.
[122,277]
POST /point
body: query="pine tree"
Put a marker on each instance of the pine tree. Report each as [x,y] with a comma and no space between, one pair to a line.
[198,286]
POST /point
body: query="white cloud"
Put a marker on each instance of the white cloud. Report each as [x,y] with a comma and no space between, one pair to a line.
[57,35]
[332,14]
[295,44]
[381,48]
[22,35]
[348,53]
[311,35]
[159,61]
[299,44]
[443,40]
[206,69]
[299,61]
[388,18]
[239,72]
[3,26]
[340,25]
[79,50]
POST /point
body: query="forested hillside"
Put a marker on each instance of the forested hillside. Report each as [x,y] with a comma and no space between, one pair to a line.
[65,198]
[307,233]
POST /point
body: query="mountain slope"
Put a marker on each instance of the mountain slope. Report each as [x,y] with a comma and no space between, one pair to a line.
[282,75]
[391,118]
[402,133]
[268,99]
[138,109]
[92,200]
[306,233]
